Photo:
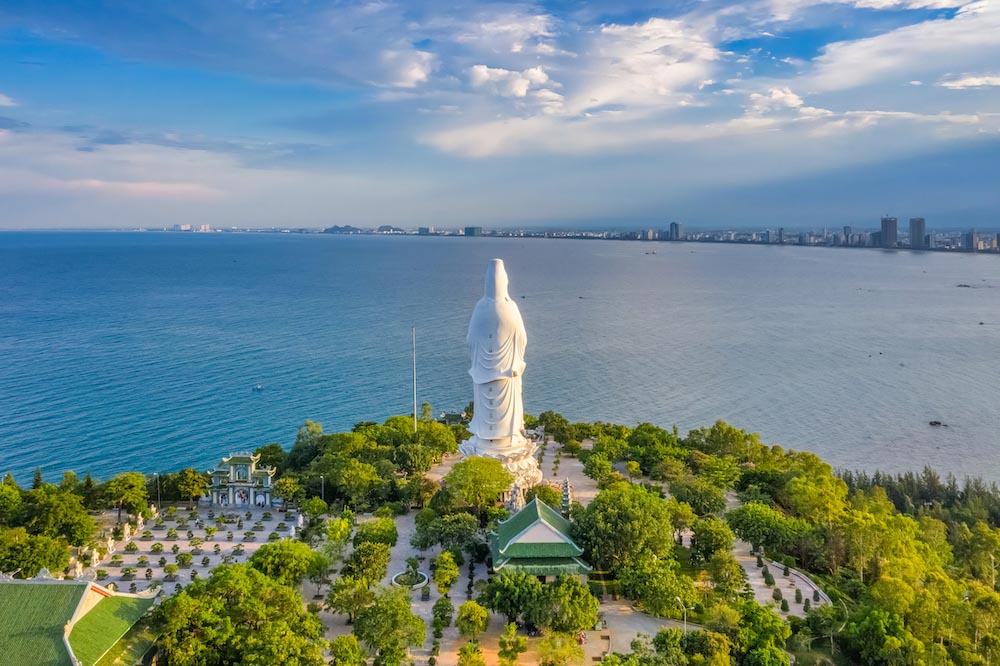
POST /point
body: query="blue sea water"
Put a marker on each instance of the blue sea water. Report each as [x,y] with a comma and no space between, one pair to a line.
[140,350]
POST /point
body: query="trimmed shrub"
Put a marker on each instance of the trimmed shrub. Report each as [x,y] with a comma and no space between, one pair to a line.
[776,594]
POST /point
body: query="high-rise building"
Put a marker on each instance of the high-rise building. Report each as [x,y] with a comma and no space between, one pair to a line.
[969,241]
[676,231]
[473,231]
[781,235]
[998,242]
[888,236]
[918,229]
[647,235]
[848,232]
[767,237]
[875,239]
[425,231]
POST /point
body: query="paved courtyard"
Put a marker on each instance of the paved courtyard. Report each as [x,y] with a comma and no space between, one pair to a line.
[228,541]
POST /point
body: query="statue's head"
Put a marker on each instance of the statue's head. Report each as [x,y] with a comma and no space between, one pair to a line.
[495,280]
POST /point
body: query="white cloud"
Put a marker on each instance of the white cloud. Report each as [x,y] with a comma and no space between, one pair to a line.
[645,64]
[505,82]
[981,81]
[407,68]
[921,51]
[7,101]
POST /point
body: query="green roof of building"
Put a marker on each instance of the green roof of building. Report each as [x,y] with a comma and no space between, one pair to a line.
[545,566]
[512,539]
[33,617]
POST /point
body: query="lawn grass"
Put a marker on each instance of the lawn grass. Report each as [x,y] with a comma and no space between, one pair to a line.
[32,619]
[104,625]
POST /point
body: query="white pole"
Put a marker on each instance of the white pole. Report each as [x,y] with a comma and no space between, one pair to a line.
[414,334]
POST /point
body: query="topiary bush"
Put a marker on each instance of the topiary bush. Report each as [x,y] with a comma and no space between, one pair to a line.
[784,605]
[798,596]
[776,594]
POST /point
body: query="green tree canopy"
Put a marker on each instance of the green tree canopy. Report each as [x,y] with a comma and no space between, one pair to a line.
[710,536]
[192,484]
[349,595]
[239,616]
[54,513]
[128,491]
[388,627]
[369,562]
[511,594]
[472,620]
[511,645]
[27,554]
[346,651]
[565,605]
[622,523]
[285,561]
[446,572]
[378,530]
[478,482]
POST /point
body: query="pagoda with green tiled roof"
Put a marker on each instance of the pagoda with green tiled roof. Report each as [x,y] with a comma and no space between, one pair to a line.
[536,540]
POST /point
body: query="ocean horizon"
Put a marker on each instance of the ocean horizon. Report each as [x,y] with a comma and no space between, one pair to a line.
[141,351]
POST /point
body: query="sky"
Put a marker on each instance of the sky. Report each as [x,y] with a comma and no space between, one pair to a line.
[257,113]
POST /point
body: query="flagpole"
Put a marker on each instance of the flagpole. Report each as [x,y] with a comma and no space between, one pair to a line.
[413,331]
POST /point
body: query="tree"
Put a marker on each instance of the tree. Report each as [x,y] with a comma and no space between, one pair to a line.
[306,446]
[633,469]
[27,554]
[557,649]
[511,645]
[368,562]
[471,655]
[128,491]
[727,575]
[426,411]
[388,626]
[319,569]
[598,467]
[456,531]
[356,481]
[765,527]
[285,561]
[346,651]
[271,455]
[472,620]
[546,494]
[656,584]
[565,605]
[239,616]
[511,594]
[443,611]
[703,497]
[710,536]
[479,482]
[379,530]
[191,484]
[314,508]
[287,488]
[349,595]
[622,523]
[338,533]
[53,513]
[446,572]
[10,503]
[38,482]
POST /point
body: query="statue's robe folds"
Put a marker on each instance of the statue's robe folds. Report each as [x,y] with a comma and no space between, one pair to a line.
[496,341]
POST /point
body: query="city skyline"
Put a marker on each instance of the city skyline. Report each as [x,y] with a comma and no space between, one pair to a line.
[501,115]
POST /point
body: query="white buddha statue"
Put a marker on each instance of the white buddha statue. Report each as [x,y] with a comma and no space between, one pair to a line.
[496,343]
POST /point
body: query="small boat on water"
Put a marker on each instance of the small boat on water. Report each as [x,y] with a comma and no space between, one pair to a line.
[258,387]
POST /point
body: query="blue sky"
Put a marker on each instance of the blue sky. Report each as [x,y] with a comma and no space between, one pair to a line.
[799,113]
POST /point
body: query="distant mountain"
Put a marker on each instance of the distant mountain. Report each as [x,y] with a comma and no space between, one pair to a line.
[346,229]
[386,229]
